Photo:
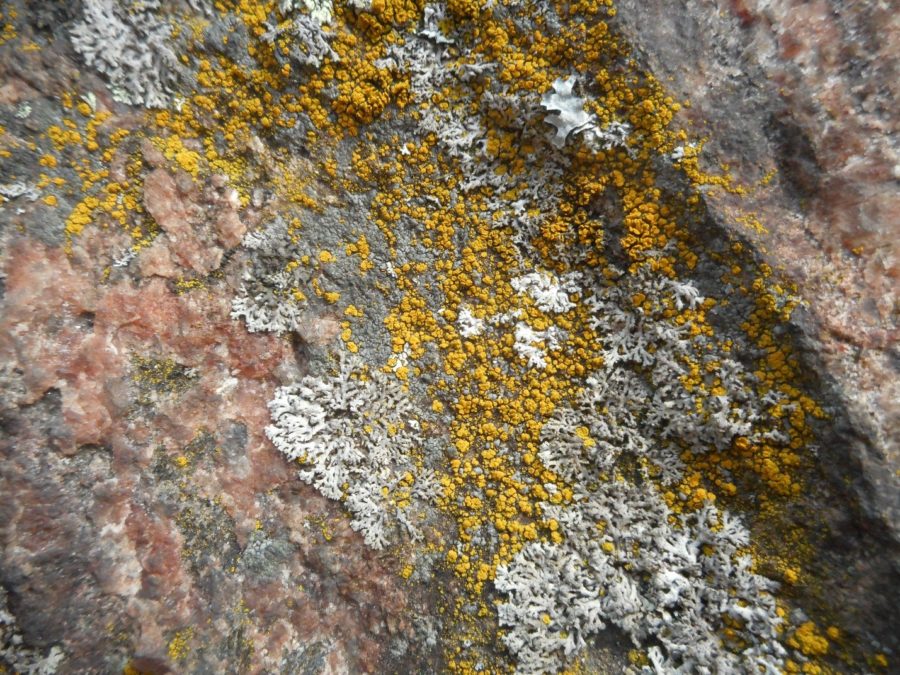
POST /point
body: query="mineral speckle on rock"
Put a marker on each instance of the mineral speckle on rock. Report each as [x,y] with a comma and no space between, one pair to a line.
[406,336]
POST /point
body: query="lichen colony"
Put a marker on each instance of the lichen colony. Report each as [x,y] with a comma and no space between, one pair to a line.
[557,392]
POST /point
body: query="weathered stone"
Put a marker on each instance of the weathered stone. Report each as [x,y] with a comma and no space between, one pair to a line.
[169,200]
[146,518]
[94,525]
[796,101]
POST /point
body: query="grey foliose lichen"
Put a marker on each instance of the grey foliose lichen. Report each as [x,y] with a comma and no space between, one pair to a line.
[16,654]
[654,352]
[321,11]
[265,300]
[10,191]
[681,585]
[427,57]
[354,434]
[674,583]
[305,43]
[567,115]
[132,46]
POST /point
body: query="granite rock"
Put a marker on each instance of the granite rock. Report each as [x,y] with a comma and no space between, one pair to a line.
[148,523]
[796,100]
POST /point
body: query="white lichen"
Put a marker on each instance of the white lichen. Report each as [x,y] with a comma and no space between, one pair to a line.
[16,654]
[321,11]
[655,349]
[307,43]
[625,563]
[532,345]
[668,580]
[266,301]
[570,118]
[132,46]
[352,434]
[10,191]
[567,111]
[612,135]
[469,324]
[549,292]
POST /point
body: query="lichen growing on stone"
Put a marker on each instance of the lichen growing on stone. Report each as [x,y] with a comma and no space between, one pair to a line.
[566,110]
[524,365]
[569,333]
[269,299]
[625,560]
[355,436]
[15,652]
[133,47]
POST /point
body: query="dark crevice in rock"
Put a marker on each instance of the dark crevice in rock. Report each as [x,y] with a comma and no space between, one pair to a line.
[796,158]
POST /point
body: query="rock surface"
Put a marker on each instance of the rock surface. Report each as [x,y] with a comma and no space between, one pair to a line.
[138,485]
[796,100]
[148,523]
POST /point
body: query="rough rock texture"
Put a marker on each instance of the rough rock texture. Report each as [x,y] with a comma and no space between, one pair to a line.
[114,501]
[807,90]
[796,99]
[147,520]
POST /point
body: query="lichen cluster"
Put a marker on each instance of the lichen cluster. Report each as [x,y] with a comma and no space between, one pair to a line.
[15,654]
[553,378]
[354,436]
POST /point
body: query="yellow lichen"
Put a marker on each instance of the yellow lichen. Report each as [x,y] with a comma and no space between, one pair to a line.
[808,640]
